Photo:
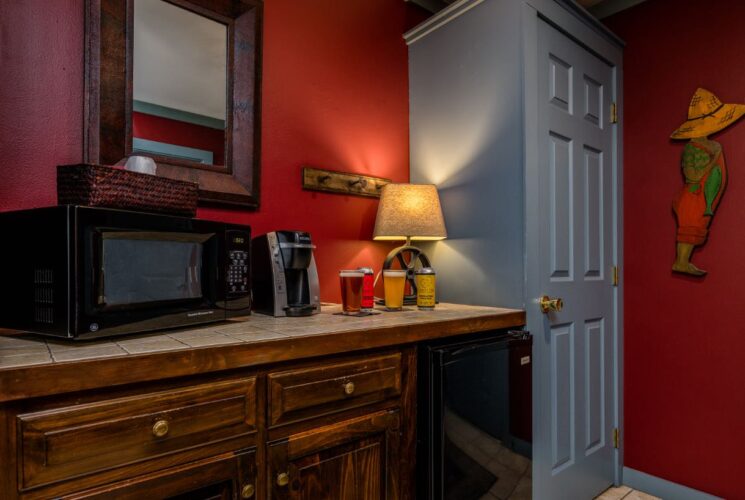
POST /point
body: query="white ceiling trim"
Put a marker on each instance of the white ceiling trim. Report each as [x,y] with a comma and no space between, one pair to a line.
[609,7]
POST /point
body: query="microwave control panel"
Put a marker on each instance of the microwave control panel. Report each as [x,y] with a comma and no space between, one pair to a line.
[238,263]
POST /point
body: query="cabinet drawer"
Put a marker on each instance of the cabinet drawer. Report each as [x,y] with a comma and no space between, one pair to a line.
[308,392]
[82,439]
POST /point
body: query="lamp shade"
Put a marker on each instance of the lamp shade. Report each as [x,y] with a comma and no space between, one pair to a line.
[409,211]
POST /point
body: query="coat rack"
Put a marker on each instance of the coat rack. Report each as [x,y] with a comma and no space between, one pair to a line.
[330,181]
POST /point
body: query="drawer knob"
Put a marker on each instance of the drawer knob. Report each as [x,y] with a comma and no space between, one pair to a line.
[283,479]
[349,388]
[160,428]
[248,491]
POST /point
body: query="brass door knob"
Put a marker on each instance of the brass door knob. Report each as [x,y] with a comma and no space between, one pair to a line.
[548,304]
[283,479]
[248,491]
[349,388]
[160,428]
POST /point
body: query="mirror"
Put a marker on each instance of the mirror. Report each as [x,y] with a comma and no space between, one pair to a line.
[179,81]
[179,103]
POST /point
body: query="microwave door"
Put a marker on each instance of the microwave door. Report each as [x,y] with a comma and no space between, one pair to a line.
[147,280]
[145,269]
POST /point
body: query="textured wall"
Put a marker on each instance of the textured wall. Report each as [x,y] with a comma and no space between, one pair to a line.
[684,337]
[334,95]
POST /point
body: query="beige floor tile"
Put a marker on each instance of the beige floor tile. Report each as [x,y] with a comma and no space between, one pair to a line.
[614,493]
[638,495]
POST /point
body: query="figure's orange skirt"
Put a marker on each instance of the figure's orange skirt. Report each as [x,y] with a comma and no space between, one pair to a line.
[693,225]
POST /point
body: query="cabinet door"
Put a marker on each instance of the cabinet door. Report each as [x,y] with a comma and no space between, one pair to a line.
[357,459]
[229,476]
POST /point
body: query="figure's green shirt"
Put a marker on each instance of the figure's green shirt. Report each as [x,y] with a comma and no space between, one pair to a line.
[698,159]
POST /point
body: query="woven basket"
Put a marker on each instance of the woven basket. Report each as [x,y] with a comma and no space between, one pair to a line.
[99,186]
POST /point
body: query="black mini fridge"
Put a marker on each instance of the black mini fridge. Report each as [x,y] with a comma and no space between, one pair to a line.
[474,417]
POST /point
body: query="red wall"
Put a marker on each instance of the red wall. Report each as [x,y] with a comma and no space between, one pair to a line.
[684,337]
[157,128]
[335,95]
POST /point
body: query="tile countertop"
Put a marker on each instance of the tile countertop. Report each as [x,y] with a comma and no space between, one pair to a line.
[251,341]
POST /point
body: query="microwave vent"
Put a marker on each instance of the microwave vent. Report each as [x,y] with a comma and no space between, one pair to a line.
[44,296]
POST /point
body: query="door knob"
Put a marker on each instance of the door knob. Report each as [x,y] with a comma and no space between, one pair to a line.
[548,304]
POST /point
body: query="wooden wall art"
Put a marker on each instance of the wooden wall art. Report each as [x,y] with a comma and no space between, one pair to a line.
[704,171]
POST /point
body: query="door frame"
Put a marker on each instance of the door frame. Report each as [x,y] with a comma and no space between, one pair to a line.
[573,21]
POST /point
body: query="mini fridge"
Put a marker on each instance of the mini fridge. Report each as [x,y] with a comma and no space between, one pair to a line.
[474,416]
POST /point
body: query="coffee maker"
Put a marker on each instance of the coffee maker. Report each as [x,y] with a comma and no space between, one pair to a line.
[285,279]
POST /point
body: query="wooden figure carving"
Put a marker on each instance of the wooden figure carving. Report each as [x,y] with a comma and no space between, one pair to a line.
[705,174]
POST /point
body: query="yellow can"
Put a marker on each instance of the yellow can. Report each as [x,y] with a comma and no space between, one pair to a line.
[425,288]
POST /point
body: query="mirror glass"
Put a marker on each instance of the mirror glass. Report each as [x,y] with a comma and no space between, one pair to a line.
[180,84]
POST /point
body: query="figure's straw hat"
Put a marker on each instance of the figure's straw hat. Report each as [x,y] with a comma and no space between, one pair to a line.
[707,115]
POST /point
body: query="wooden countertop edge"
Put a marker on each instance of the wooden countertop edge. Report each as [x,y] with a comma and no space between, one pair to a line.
[60,378]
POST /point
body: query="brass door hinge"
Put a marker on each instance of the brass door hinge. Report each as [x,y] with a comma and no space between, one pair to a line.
[616,438]
[613,113]
[614,277]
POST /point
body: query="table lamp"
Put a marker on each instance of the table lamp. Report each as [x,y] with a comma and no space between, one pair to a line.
[409,212]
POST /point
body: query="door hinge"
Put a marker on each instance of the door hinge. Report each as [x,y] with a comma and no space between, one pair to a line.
[613,113]
[614,277]
[616,438]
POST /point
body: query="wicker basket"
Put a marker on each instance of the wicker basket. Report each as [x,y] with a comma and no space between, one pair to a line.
[99,186]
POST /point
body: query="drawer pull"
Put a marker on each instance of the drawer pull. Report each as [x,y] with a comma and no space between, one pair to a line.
[160,428]
[349,388]
[248,491]
[283,479]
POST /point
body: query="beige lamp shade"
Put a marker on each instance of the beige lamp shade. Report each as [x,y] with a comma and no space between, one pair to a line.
[409,211]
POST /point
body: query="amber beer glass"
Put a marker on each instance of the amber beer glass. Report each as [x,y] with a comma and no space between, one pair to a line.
[394,283]
[351,290]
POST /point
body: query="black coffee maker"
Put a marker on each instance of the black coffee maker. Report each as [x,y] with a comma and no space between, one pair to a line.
[285,279]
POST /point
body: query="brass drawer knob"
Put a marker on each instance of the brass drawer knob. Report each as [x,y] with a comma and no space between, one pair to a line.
[248,491]
[349,388]
[283,479]
[160,428]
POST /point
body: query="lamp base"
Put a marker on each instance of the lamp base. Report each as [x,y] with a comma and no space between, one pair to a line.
[409,258]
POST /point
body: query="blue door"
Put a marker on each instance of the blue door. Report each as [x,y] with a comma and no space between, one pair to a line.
[573,263]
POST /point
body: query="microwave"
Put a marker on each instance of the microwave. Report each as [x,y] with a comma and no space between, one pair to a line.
[81,272]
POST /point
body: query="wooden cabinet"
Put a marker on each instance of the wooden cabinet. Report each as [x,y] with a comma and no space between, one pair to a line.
[83,439]
[224,477]
[351,460]
[298,394]
[335,428]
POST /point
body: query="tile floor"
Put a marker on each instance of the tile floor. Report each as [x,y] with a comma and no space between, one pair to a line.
[513,471]
[625,493]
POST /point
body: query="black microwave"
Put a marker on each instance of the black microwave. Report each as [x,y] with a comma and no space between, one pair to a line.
[81,272]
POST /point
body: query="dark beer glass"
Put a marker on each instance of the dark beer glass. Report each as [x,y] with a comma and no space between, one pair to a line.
[351,290]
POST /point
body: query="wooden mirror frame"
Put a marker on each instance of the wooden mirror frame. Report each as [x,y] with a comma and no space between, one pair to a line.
[108,100]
